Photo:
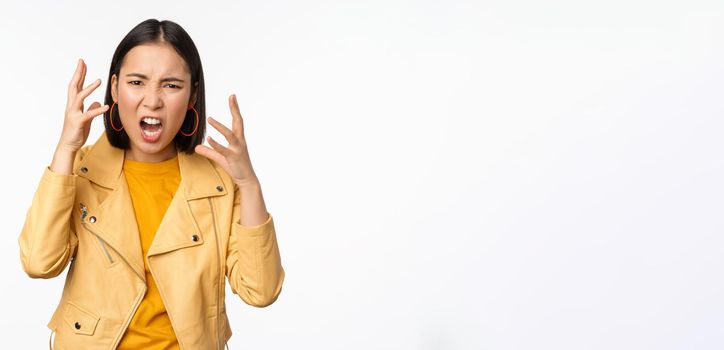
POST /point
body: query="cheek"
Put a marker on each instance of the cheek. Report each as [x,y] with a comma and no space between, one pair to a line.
[128,95]
[127,102]
[176,109]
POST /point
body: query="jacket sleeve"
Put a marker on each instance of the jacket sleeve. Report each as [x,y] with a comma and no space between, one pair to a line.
[253,263]
[47,241]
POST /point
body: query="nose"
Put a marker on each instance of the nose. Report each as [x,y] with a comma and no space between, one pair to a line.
[153,98]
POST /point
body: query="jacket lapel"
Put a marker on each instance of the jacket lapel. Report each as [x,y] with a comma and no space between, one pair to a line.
[115,222]
[180,227]
[115,219]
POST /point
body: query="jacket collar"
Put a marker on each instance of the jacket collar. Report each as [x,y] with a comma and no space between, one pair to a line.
[103,164]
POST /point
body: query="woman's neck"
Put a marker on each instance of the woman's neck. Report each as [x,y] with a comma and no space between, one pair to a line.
[137,155]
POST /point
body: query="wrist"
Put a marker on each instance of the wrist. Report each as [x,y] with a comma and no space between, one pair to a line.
[65,149]
[62,162]
[248,184]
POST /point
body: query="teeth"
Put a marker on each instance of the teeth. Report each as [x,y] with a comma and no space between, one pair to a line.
[151,133]
[151,121]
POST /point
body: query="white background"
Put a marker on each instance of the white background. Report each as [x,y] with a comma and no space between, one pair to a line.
[443,174]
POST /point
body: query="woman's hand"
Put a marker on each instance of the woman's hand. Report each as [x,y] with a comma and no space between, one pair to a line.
[77,123]
[235,157]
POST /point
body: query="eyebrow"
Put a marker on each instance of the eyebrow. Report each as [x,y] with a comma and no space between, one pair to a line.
[142,76]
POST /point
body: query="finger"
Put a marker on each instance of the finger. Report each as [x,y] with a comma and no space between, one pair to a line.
[219,147]
[95,104]
[85,92]
[93,111]
[81,81]
[228,134]
[72,86]
[237,121]
[210,153]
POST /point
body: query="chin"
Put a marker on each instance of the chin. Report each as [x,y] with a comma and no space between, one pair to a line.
[151,148]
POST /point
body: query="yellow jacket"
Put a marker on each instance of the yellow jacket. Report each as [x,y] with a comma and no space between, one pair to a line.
[87,219]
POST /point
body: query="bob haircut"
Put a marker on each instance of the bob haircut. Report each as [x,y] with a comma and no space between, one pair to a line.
[158,32]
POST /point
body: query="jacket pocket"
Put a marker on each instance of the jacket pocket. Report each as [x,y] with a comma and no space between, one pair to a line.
[79,319]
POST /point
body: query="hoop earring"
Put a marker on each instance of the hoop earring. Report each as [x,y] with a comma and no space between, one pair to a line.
[111,118]
[197,122]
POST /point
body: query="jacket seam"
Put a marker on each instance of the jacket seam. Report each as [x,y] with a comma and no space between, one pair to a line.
[221,282]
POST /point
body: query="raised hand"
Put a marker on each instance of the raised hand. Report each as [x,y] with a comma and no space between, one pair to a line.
[77,123]
[233,158]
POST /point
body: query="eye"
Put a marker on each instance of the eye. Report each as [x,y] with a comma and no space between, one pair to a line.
[174,86]
[134,81]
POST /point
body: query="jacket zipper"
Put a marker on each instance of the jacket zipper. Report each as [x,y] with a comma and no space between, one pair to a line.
[83,214]
[135,304]
[168,312]
[221,284]
[128,319]
[103,245]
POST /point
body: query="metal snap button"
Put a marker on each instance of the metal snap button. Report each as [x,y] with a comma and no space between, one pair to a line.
[219,188]
[195,238]
[84,169]
[77,325]
[92,219]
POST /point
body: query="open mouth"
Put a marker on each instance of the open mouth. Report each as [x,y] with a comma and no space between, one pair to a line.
[151,127]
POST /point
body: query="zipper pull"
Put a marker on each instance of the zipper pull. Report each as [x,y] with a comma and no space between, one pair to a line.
[83,211]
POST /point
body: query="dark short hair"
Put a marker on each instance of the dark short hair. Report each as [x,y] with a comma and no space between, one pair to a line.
[161,32]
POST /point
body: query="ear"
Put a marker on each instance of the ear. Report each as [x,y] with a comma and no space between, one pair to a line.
[114,87]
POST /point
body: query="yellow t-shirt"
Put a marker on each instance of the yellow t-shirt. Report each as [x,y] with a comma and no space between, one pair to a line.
[152,186]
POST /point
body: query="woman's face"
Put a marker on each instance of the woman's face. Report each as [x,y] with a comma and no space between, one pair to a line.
[152,92]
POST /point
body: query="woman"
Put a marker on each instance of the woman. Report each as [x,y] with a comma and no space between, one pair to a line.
[150,220]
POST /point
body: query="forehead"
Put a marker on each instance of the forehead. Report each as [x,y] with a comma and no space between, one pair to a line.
[155,61]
